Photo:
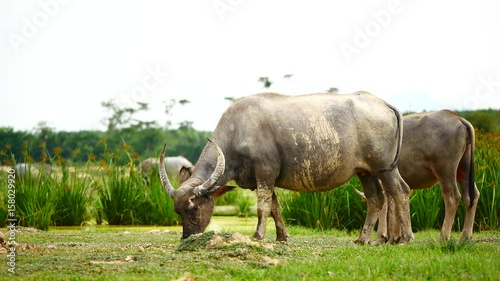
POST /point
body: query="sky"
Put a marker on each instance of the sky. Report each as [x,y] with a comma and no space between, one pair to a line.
[59,59]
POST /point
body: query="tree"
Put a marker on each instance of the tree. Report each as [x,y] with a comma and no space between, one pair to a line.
[124,117]
[333,90]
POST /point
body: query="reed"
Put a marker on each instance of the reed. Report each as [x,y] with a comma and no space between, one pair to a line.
[74,194]
[34,201]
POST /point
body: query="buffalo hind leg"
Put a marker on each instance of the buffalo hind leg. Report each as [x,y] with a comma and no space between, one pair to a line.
[396,187]
[281,233]
[451,198]
[464,170]
[470,214]
[374,199]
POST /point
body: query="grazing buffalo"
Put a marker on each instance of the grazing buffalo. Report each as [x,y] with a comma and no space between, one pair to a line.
[304,143]
[175,167]
[438,147]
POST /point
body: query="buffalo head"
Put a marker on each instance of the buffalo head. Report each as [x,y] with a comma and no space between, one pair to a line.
[194,200]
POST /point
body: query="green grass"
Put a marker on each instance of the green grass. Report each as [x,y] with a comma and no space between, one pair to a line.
[94,253]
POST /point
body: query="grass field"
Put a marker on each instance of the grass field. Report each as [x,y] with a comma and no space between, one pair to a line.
[157,253]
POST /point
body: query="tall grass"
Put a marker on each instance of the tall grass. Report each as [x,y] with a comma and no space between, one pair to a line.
[3,199]
[128,200]
[74,195]
[160,204]
[340,208]
[34,201]
[427,208]
[242,199]
[487,162]
[121,198]
[47,200]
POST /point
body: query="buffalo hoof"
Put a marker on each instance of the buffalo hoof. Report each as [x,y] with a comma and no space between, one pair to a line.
[399,240]
[257,236]
[282,239]
[380,241]
[361,242]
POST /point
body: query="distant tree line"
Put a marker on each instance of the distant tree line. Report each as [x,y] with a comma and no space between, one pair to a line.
[126,140]
[487,120]
[133,143]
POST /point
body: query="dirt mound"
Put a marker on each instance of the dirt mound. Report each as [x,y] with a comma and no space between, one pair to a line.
[211,239]
[236,246]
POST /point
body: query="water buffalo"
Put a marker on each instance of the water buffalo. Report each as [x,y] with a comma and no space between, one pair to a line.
[305,143]
[175,167]
[438,147]
[23,169]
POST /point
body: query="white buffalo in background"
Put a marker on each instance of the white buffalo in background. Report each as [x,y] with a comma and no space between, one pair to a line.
[175,167]
[33,169]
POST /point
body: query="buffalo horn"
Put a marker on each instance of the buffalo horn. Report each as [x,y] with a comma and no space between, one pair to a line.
[209,184]
[163,175]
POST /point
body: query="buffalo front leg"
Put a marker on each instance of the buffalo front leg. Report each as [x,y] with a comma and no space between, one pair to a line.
[393,225]
[264,206]
[383,229]
[375,200]
[281,233]
[397,188]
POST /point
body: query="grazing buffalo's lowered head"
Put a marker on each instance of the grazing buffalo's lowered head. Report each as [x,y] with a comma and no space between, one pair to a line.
[194,200]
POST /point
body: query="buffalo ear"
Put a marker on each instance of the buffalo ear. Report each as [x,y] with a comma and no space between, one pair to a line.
[222,190]
[185,173]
